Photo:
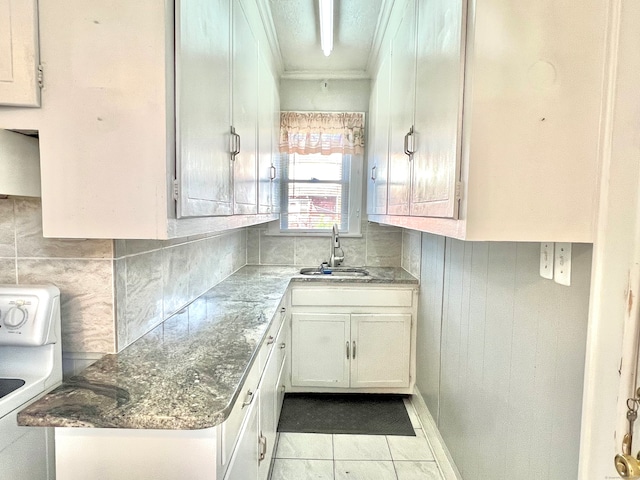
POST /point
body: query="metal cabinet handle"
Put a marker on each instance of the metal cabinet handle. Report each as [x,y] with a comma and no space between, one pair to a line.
[270,339]
[272,171]
[234,146]
[262,441]
[373,173]
[347,350]
[283,346]
[409,151]
[353,350]
[248,400]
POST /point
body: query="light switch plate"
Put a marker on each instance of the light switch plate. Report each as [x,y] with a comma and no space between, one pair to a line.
[562,264]
[546,260]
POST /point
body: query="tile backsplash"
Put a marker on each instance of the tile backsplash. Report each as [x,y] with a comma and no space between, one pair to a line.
[82,270]
[156,279]
[112,291]
[379,246]
[411,251]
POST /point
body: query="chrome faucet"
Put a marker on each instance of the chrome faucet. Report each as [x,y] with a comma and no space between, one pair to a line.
[334,259]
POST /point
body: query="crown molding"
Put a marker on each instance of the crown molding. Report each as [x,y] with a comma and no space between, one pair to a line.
[264,8]
[379,34]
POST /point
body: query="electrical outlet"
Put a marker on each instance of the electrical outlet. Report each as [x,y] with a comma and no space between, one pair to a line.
[546,260]
[562,264]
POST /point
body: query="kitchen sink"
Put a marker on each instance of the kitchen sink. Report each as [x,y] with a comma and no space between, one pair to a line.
[335,271]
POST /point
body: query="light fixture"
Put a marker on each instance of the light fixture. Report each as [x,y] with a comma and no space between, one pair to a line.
[326,26]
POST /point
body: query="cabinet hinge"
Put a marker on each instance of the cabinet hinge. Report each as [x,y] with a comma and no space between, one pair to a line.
[40,76]
[458,190]
[176,189]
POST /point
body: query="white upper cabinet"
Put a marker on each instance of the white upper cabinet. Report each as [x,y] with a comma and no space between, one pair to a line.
[378,146]
[438,108]
[275,173]
[136,117]
[19,53]
[203,105]
[245,112]
[268,125]
[507,120]
[401,110]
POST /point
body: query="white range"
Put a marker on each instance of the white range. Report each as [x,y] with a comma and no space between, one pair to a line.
[30,365]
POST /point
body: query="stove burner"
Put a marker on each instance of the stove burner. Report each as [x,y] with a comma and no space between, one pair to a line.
[8,385]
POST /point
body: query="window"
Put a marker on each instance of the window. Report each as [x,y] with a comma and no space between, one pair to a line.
[322,157]
[320,190]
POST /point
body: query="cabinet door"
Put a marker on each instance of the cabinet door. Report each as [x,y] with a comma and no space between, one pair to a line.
[379,141]
[269,411]
[265,137]
[276,158]
[245,112]
[203,115]
[19,53]
[401,110]
[320,350]
[381,350]
[438,114]
[244,461]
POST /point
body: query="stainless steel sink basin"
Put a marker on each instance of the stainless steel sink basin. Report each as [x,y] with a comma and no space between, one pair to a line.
[336,271]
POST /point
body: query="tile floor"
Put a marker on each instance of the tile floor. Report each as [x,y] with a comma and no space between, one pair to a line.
[301,456]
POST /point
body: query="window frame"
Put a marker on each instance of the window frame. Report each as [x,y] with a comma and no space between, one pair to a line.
[354,207]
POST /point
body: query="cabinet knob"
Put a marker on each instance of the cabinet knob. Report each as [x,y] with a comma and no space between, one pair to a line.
[270,339]
[282,346]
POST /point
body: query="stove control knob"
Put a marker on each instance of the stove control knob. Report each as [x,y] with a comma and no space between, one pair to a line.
[15,318]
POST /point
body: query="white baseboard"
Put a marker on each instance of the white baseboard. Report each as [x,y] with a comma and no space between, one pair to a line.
[440,451]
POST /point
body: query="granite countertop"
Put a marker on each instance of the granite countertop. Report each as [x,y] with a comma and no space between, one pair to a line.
[186,373]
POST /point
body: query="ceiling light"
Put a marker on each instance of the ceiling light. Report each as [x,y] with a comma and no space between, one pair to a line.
[326,26]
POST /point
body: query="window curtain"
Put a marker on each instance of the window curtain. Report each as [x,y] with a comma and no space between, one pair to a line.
[305,133]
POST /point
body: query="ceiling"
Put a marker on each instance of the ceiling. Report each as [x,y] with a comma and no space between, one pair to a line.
[357,32]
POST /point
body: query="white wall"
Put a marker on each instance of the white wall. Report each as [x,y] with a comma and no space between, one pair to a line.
[616,254]
[501,357]
[338,96]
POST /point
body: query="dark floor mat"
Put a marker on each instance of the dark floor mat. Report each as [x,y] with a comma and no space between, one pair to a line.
[345,413]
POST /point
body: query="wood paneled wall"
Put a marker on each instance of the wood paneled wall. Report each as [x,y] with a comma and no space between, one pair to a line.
[501,357]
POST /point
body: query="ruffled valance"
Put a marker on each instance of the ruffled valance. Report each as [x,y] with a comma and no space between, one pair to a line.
[321,132]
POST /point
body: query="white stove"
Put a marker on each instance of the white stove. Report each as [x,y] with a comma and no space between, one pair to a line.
[30,365]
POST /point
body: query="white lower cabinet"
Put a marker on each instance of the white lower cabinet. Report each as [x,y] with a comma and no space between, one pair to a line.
[380,350]
[358,350]
[244,461]
[353,339]
[320,346]
[254,446]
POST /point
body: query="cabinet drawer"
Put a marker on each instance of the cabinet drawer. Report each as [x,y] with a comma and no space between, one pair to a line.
[375,297]
[230,428]
[270,340]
